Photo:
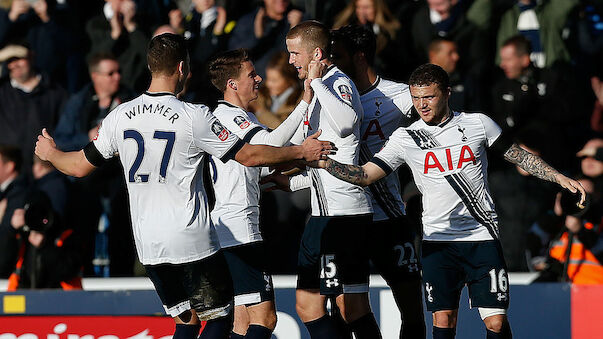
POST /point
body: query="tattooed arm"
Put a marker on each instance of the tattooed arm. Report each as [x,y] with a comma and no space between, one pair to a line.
[354,174]
[534,165]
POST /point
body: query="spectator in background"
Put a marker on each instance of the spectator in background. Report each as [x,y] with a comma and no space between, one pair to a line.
[453,20]
[576,253]
[466,93]
[116,31]
[280,93]
[13,190]
[29,101]
[207,35]
[596,118]
[542,23]
[542,98]
[263,31]
[51,37]
[103,193]
[84,111]
[376,16]
[48,254]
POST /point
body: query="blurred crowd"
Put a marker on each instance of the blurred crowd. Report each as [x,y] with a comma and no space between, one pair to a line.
[534,66]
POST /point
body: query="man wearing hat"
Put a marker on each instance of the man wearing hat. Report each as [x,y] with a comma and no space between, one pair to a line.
[29,101]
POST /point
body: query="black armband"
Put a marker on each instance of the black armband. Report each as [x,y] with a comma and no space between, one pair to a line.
[230,154]
[247,138]
[93,155]
[502,144]
[382,164]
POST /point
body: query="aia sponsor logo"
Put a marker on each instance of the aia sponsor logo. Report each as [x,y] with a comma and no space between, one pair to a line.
[220,131]
[241,122]
[432,162]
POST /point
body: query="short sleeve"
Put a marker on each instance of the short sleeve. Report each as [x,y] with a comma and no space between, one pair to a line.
[210,135]
[239,123]
[491,129]
[105,141]
[392,155]
[404,101]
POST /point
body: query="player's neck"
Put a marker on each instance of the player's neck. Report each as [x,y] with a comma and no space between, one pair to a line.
[163,85]
[365,80]
[445,117]
[233,98]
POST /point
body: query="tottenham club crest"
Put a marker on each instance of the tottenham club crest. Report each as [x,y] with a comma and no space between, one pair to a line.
[345,92]
[378,104]
[462,130]
[241,122]
[219,130]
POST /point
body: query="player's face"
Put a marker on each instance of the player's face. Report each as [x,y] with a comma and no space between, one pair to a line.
[430,102]
[511,63]
[248,82]
[365,11]
[342,58]
[299,56]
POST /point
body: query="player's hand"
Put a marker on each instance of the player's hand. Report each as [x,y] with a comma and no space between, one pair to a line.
[279,180]
[314,149]
[308,91]
[572,186]
[45,145]
[316,69]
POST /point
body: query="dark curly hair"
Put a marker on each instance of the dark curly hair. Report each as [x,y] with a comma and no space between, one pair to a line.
[428,74]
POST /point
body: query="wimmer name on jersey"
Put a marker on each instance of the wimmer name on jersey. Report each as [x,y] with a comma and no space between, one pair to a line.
[336,110]
[387,105]
[161,142]
[237,189]
[449,165]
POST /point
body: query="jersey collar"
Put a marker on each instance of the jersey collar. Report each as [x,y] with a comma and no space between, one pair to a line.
[158,94]
[226,103]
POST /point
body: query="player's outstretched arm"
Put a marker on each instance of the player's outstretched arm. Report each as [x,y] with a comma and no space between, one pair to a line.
[359,175]
[311,149]
[537,167]
[71,163]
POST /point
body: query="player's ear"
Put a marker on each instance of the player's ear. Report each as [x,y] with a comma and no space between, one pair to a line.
[181,67]
[232,84]
[318,54]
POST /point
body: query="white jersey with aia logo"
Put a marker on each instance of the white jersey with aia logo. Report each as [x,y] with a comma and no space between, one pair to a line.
[449,166]
[336,110]
[387,105]
[161,142]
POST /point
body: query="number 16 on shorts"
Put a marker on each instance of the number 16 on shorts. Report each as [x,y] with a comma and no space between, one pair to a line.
[329,277]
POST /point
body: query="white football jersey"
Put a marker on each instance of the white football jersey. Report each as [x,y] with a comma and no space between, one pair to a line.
[161,142]
[387,105]
[336,110]
[449,166]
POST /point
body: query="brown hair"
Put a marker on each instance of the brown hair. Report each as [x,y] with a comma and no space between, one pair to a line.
[166,51]
[226,66]
[313,34]
[9,153]
[383,17]
[96,59]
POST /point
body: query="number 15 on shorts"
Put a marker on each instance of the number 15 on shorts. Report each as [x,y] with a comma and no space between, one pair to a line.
[329,279]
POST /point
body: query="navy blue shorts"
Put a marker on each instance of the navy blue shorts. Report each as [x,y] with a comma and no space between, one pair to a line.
[250,277]
[449,266]
[333,255]
[392,250]
[204,285]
